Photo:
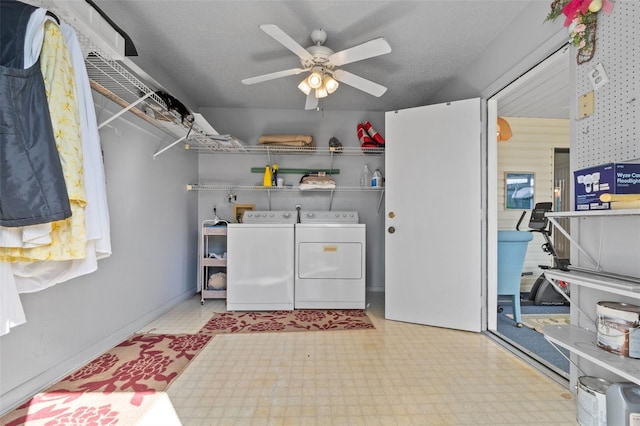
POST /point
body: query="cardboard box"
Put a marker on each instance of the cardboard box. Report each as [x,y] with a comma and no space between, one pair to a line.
[612,178]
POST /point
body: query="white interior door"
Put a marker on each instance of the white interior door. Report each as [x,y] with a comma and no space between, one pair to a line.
[433,266]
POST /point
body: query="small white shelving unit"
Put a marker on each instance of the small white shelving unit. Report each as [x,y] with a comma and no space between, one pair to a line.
[213,239]
[582,341]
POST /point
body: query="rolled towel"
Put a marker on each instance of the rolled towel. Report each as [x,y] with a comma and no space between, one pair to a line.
[303,140]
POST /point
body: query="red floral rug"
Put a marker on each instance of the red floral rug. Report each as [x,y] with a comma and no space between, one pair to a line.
[283,321]
[118,387]
[125,384]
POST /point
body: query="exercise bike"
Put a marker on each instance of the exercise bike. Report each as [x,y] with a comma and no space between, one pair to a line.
[543,292]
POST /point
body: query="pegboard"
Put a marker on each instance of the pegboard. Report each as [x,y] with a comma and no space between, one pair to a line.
[611,133]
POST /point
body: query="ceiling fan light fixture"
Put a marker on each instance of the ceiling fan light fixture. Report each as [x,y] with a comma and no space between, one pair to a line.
[330,84]
[321,92]
[322,64]
[304,87]
[314,80]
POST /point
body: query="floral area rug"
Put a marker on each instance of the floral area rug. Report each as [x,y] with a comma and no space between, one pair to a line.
[118,387]
[123,385]
[537,321]
[284,321]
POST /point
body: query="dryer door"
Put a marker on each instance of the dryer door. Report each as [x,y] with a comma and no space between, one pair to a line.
[330,260]
[330,266]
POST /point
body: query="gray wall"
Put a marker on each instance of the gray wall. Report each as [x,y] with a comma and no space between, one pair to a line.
[249,124]
[153,265]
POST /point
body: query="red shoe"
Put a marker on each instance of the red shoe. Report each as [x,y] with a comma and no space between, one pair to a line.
[370,147]
[363,136]
[377,137]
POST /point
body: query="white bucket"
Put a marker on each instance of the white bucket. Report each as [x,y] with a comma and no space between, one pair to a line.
[592,401]
[617,328]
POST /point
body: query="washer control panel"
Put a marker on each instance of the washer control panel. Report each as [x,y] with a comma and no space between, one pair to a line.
[329,217]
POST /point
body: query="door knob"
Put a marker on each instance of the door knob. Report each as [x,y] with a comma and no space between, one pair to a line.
[392,229]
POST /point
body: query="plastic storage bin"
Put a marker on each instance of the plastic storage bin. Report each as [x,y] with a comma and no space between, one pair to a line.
[512,248]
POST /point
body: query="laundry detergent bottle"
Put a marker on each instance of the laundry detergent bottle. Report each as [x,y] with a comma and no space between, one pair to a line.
[376,180]
[274,175]
[268,176]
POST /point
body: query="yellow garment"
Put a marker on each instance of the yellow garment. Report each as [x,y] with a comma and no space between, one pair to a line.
[68,236]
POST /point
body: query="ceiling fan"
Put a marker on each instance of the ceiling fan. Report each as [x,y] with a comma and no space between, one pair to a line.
[321,63]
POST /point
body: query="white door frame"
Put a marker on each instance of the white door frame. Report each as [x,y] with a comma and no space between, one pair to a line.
[504,82]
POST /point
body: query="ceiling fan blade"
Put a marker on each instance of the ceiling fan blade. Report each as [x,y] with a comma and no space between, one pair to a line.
[284,39]
[311,102]
[369,49]
[273,75]
[359,83]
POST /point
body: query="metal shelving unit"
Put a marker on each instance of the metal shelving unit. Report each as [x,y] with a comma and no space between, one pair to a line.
[113,80]
[582,341]
[586,214]
[289,150]
[229,187]
[278,190]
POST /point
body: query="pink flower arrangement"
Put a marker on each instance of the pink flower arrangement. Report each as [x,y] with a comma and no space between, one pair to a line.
[580,20]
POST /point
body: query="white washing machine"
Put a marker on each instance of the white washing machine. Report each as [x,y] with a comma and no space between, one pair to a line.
[330,261]
[260,266]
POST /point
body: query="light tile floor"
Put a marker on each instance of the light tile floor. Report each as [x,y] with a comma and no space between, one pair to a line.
[397,374]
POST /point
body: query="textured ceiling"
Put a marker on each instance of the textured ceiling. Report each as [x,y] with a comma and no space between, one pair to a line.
[206,47]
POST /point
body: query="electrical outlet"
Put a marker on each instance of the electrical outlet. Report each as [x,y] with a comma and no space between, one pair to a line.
[598,77]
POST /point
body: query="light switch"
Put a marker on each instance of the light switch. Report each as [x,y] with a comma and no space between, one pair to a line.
[586,105]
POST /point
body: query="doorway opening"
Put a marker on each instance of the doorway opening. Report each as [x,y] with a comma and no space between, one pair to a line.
[536,107]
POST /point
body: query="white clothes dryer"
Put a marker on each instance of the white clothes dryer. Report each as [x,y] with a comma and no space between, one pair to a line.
[260,261]
[330,261]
